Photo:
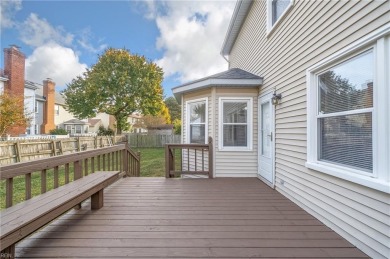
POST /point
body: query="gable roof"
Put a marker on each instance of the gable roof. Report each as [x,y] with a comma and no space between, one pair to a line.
[238,18]
[233,77]
[93,122]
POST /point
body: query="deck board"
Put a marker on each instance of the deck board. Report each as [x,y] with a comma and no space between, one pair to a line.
[188,218]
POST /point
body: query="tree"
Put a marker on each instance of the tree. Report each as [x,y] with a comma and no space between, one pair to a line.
[177,126]
[119,84]
[174,108]
[149,121]
[12,113]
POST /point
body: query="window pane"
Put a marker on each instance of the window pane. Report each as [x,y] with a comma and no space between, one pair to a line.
[235,112]
[278,7]
[265,129]
[347,140]
[198,112]
[235,135]
[348,86]
[197,134]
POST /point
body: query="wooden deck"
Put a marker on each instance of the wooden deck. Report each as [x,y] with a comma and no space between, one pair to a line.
[188,218]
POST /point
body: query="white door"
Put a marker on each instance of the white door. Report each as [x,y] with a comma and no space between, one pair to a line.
[266,139]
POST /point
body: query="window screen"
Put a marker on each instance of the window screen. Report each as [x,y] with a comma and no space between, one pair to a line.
[278,7]
[235,124]
[197,122]
[345,113]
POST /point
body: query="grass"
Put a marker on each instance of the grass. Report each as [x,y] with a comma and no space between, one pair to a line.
[152,162]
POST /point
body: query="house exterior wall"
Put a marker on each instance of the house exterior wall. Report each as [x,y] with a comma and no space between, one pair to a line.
[39,116]
[29,106]
[62,116]
[226,163]
[312,31]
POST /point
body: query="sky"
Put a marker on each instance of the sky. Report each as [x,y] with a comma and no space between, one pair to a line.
[62,38]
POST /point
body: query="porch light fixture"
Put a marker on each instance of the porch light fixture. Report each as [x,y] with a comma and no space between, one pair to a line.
[276,98]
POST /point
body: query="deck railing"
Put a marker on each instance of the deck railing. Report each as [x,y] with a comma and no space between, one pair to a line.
[62,169]
[189,159]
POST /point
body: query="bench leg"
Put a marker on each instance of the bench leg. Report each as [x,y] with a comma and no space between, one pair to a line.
[9,252]
[97,200]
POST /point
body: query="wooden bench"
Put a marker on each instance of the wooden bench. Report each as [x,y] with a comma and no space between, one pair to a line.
[21,220]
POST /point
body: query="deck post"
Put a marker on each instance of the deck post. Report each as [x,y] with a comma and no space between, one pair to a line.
[125,162]
[210,157]
[97,200]
[167,166]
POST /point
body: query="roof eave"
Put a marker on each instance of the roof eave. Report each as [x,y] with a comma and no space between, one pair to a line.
[210,82]
[240,12]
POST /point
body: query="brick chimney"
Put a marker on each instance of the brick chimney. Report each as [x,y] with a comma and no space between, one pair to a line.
[48,110]
[14,67]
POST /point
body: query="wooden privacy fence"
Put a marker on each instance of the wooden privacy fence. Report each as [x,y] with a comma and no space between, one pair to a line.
[189,159]
[63,169]
[27,150]
[142,140]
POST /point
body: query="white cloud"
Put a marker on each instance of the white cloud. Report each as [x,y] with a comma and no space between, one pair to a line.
[7,10]
[36,32]
[86,36]
[191,36]
[54,61]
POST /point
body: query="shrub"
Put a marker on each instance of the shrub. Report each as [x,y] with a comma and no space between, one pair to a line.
[105,132]
[58,131]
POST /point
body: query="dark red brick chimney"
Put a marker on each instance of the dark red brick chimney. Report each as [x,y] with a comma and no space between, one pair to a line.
[48,110]
[14,67]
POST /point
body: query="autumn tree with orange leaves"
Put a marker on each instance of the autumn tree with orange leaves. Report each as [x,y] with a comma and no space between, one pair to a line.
[12,113]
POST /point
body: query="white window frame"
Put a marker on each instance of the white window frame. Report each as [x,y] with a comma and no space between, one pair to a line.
[379,179]
[57,109]
[271,27]
[188,113]
[249,101]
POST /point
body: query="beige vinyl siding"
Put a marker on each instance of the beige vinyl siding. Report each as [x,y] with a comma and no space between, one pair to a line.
[312,31]
[236,163]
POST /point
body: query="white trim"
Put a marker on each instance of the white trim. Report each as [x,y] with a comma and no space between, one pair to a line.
[271,27]
[205,99]
[351,112]
[249,101]
[206,83]
[273,121]
[379,42]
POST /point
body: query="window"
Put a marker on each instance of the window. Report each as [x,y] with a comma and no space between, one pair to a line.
[69,129]
[37,129]
[276,10]
[78,128]
[197,121]
[57,109]
[348,120]
[235,120]
[36,107]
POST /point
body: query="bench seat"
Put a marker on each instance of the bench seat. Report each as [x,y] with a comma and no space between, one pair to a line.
[21,220]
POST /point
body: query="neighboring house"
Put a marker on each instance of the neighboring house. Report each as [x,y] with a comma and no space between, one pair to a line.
[164,129]
[3,79]
[135,123]
[94,125]
[30,105]
[307,110]
[76,126]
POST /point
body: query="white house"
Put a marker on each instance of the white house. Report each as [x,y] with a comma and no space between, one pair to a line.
[305,108]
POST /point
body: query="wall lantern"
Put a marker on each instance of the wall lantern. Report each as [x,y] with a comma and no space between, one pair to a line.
[276,98]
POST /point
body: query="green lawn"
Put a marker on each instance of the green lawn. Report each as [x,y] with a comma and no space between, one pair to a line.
[152,162]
